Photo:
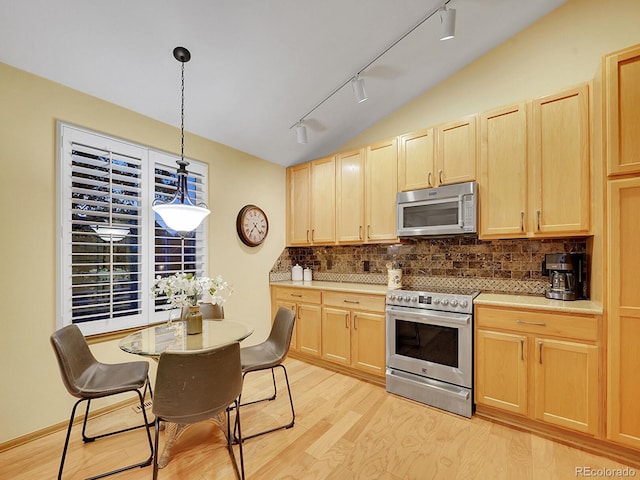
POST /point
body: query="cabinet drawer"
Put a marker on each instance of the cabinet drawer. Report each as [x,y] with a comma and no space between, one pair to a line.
[374,303]
[298,294]
[583,327]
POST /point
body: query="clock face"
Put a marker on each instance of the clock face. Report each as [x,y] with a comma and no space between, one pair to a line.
[252,225]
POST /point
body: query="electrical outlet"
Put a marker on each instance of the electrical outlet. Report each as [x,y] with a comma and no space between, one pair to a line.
[366,266]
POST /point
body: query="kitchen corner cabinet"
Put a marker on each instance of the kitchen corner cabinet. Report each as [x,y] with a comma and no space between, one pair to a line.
[622,111]
[456,151]
[503,172]
[560,164]
[353,331]
[623,306]
[306,304]
[416,160]
[543,366]
[311,203]
[381,188]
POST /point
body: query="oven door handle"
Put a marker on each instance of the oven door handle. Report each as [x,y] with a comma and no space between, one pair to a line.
[451,390]
[429,316]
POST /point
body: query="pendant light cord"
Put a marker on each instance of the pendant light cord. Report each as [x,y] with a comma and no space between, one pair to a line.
[182,117]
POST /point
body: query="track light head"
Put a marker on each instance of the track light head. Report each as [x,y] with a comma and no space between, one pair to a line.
[358,88]
[301,132]
[447,23]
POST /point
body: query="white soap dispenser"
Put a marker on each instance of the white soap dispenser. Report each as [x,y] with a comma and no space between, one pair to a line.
[296,273]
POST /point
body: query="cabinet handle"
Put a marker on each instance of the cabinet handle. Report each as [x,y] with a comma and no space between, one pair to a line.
[298,295]
[298,314]
[538,215]
[440,176]
[522,349]
[537,324]
[346,320]
[540,351]
[360,232]
[313,233]
[522,221]
[307,236]
[351,301]
[355,322]
[429,175]
[368,231]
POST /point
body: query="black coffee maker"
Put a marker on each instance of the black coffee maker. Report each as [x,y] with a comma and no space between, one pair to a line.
[567,275]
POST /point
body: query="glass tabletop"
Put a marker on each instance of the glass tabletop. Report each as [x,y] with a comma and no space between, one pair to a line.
[154,340]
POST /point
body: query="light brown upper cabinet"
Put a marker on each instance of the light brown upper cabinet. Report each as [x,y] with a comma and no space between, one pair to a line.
[311,202]
[350,196]
[503,172]
[456,151]
[381,188]
[560,164]
[416,161]
[622,111]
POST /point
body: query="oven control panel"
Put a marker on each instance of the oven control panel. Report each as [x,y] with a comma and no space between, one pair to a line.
[448,302]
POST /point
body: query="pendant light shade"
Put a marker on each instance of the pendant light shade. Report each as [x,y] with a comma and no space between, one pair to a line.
[358,89]
[447,23]
[181,213]
[111,233]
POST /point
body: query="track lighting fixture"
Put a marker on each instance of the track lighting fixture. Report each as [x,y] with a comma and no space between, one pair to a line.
[447,23]
[448,26]
[358,88]
[301,132]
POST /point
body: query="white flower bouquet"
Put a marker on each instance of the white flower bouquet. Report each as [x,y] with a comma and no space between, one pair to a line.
[185,289]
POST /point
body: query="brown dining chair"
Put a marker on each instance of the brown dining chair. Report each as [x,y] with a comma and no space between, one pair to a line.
[267,356]
[86,379]
[196,386]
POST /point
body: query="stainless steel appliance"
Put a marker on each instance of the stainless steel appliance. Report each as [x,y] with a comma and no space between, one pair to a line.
[440,211]
[567,275]
[430,348]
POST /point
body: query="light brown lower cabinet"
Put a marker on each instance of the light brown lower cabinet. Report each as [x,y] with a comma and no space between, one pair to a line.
[337,328]
[542,366]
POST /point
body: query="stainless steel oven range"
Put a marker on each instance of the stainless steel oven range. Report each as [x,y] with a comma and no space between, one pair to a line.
[430,348]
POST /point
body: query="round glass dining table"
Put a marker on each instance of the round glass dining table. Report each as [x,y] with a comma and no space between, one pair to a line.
[152,341]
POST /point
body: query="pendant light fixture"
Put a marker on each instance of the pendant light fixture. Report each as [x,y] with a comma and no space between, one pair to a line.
[447,23]
[301,132]
[181,213]
[358,88]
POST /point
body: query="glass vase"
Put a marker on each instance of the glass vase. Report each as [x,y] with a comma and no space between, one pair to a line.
[194,321]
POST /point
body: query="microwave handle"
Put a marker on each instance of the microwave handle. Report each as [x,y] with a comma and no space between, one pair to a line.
[460,218]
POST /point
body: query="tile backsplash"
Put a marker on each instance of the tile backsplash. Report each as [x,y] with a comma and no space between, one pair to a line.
[498,266]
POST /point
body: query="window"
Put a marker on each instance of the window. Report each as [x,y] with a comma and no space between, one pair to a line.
[111,244]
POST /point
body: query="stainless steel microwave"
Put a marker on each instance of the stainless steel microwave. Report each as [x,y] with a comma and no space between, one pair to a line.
[440,211]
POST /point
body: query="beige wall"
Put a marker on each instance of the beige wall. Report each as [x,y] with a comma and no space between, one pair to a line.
[561,50]
[32,394]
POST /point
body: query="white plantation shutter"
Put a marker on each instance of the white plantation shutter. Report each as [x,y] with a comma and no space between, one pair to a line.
[111,244]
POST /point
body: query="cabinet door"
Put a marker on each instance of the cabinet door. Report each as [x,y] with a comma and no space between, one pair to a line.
[298,200]
[368,342]
[381,188]
[323,200]
[416,161]
[560,163]
[566,384]
[457,151]
[350,196]
[309,329]
[623,306]
[336,328]
[291,306]
[501,371]
[622,109]
[503,172]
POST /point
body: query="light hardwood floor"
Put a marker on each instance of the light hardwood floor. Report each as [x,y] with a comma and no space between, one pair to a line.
[345,429]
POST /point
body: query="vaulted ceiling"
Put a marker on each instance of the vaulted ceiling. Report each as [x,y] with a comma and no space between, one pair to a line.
[257,66]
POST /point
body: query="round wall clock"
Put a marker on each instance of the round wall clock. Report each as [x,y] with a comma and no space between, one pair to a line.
[252,225]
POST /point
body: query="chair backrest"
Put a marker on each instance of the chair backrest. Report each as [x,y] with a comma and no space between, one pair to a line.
[74,358]
[195,386]
[209,311]
[281,331]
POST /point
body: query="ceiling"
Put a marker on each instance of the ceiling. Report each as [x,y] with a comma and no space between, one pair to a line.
[257,66]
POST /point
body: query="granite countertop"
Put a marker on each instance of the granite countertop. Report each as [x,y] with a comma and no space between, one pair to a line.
[539,303]
[336,286]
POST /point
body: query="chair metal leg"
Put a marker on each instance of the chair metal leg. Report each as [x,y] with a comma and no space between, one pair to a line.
[231,441]
[272,397]
[287,425]
[91,439]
